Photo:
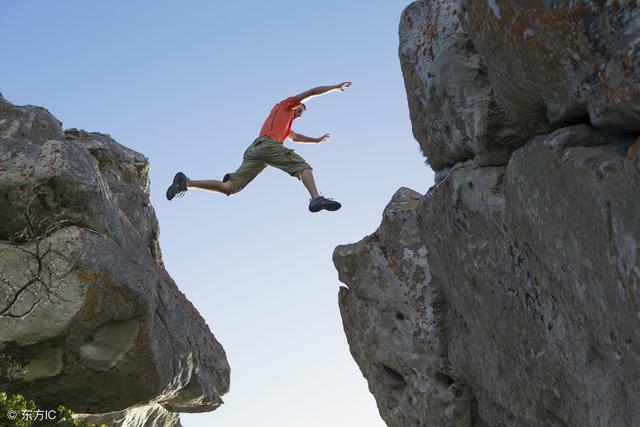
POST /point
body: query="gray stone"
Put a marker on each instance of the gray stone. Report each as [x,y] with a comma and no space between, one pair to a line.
[89,317]
[483,78]
[561,62]
[151,415]
[109,344]
[393,318]
[537,265]
[540,281]
[528,112]
[453,110]
[28,122]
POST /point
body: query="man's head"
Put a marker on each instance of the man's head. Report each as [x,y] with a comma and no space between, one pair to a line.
[299,110]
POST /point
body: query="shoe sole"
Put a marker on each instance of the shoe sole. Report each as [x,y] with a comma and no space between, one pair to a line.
[326,208]
[175,186]
[171,189]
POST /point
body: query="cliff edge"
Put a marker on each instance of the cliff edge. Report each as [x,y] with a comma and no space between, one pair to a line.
[508,294]
[89,317]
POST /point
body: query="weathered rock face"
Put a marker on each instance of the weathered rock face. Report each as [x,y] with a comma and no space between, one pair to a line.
[28,122]
[89,317]
[560,61]
[484,77]
[508,294]
[152,415]
[390,287]
[546,261]
[454,113]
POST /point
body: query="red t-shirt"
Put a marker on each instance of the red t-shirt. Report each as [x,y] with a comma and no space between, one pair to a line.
[278,124]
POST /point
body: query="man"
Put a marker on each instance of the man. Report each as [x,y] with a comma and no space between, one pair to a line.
[268,150]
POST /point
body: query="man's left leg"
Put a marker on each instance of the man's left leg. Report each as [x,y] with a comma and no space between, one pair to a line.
[317,202]
[275,154]
[310,184]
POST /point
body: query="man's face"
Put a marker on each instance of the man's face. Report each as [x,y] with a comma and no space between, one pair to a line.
[299,111]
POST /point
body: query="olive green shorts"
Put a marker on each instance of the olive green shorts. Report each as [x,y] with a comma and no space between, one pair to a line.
[264,152]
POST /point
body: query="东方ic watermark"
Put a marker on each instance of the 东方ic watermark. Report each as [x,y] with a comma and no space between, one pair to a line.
[33,415]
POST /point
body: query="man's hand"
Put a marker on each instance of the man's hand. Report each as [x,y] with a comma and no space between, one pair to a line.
[342,86]
[322,138]
[298,137]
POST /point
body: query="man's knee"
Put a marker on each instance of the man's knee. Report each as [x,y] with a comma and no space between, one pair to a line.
[227,185]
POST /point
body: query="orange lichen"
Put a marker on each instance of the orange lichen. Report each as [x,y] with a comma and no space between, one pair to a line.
[409,21]
[579,9]
[393,262]
[615,5]
[633,150]
[105,280]
[87,277]
[89,312]
[632,285]
[143,337]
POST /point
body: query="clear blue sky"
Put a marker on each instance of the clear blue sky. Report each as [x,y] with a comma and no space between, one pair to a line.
[189,84]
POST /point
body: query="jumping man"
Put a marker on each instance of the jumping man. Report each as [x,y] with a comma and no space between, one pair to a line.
[268,149]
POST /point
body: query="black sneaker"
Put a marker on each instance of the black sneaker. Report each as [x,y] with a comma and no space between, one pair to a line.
[320,203]
[178,187]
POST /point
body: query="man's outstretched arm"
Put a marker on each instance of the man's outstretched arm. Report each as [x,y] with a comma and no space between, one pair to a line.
[321,90]
[298,137]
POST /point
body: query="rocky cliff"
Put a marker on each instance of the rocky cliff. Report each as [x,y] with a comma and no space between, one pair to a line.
[508,294]
[89,317]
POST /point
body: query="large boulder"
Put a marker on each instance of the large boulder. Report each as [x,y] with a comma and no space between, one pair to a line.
[536,265]
[89,317]
[393,317]
[508,294]
[454,113]
[482,78]
[546,265]
[559,61]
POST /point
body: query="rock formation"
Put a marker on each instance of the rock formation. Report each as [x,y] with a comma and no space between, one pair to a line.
[508,294]
[151,415]
[89,317]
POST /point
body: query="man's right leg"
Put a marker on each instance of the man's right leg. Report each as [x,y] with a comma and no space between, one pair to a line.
[232,182]
[222,187]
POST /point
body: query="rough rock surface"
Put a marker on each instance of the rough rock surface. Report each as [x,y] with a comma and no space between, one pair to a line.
[559,61]
[152,415]
[484,77]
[546,265]
[508,294]
[390,287]
[89,317]
[454,114]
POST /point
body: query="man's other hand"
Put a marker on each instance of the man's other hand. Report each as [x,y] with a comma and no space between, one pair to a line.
[322,138]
